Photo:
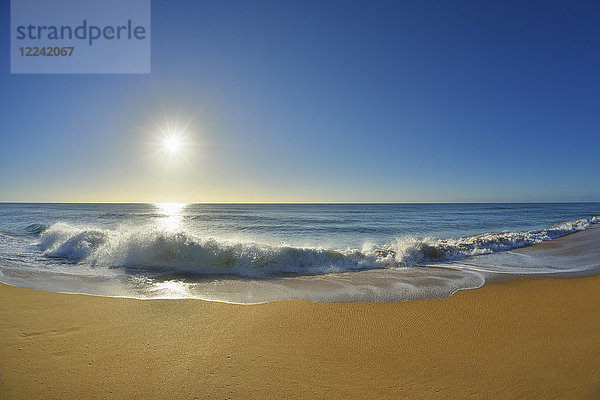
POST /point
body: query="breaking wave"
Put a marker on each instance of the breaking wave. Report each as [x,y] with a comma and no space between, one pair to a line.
[192,253]
[36,229]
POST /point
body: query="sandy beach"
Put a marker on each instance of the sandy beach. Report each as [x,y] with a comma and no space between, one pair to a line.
[526,338]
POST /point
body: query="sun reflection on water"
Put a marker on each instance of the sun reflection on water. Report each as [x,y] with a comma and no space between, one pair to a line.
[170,216]
[171,290]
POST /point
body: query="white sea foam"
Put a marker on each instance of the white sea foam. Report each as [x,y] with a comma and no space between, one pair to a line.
[147,247]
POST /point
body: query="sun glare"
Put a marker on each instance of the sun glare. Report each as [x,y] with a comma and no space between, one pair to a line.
[172,143]
[170,217]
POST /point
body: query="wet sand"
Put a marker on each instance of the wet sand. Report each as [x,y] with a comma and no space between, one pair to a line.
[526,338]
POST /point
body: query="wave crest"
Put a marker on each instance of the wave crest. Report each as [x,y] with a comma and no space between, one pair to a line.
[36,229]
[186,252]
[66,241]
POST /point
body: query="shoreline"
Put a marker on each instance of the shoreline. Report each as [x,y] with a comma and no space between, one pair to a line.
[529,337]
[568,256]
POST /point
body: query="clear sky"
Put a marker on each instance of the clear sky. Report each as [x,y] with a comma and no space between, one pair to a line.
[373,101]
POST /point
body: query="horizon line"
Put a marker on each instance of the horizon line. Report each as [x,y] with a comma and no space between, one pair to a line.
[298,202]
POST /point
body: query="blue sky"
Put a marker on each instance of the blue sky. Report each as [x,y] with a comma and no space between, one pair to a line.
[322,101]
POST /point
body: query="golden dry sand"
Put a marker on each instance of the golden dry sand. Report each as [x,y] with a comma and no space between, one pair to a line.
[528,338]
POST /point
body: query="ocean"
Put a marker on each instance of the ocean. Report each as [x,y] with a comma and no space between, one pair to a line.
[252,253]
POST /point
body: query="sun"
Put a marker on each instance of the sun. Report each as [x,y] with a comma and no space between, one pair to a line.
[173,143]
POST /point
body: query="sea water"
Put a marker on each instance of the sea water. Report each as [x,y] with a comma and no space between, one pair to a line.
[251,253]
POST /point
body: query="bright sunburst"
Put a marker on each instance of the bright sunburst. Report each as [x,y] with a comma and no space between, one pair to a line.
[173,143]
